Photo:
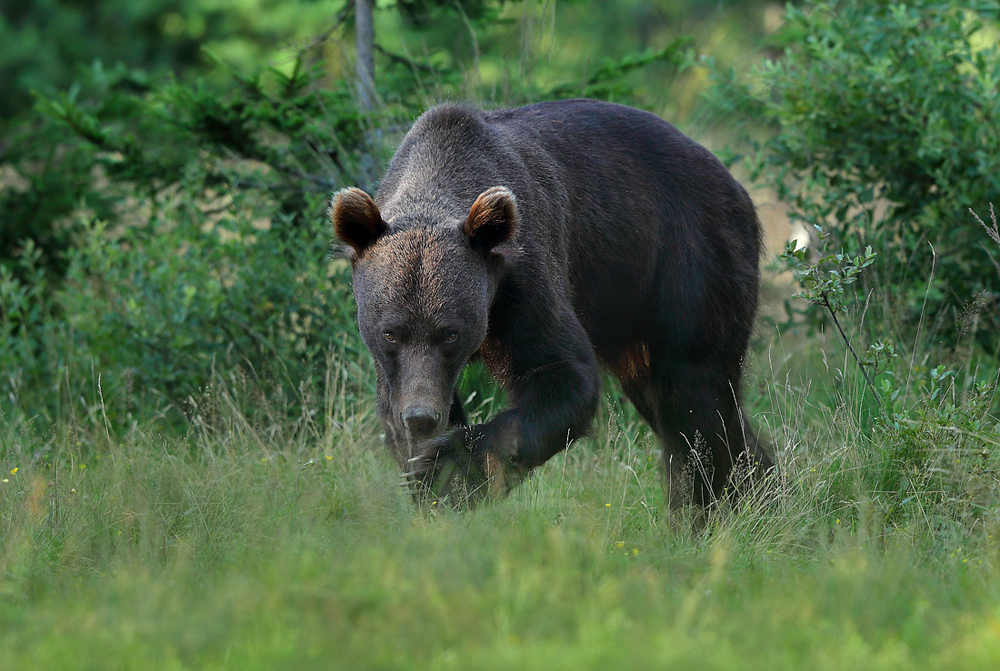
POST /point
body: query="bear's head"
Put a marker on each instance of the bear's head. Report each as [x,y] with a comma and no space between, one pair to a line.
[423,293]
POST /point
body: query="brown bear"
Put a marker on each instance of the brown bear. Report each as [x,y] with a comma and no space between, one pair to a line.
[547,240]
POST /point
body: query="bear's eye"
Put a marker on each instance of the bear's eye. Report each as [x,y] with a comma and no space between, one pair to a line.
[389,336]
[451,337]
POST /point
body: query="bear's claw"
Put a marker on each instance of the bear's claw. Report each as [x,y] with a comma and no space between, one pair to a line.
[448,468]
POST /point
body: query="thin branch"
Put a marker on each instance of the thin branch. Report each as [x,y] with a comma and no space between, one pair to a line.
[826,302]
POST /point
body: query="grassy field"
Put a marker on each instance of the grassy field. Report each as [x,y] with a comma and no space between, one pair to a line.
[281,546]
[152,520]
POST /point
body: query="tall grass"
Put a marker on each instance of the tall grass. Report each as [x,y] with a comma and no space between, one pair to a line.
[259,541]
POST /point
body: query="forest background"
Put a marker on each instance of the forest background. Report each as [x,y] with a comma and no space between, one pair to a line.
[191,469]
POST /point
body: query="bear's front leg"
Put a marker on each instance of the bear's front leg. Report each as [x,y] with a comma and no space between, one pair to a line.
[461,467]
[553,403]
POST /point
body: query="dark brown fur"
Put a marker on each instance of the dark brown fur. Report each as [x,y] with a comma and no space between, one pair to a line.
[544,240]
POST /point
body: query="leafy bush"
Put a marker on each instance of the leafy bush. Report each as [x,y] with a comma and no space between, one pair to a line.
[153,315]
[44,177]
[189,222]
[168,279]
[886,122]
[285,135]
[32,344]
[214,285]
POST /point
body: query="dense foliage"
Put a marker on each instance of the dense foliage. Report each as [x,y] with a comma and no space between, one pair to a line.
[156,231]
[886,122]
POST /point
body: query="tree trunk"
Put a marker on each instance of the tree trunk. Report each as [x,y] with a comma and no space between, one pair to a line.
[365,40]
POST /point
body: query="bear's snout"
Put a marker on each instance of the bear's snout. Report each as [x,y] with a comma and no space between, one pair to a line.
[420,421]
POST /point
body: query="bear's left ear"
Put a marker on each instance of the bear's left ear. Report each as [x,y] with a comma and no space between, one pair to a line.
[356,219]
[492,219]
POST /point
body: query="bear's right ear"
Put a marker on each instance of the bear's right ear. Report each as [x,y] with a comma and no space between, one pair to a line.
[356,219]
[492,219]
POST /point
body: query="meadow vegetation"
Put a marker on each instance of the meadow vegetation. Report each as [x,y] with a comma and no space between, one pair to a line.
[191,469]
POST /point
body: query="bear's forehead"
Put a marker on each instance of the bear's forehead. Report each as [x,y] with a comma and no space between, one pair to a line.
[411,247]
[425,271]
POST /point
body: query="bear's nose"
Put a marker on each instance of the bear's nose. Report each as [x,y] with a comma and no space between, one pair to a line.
[420,421]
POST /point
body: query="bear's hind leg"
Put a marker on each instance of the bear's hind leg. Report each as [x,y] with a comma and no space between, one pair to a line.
[703,431]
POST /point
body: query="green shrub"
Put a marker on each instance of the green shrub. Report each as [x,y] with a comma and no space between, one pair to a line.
[886,129]
[192,238]
[189,223]
[216,285]
[32,344]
